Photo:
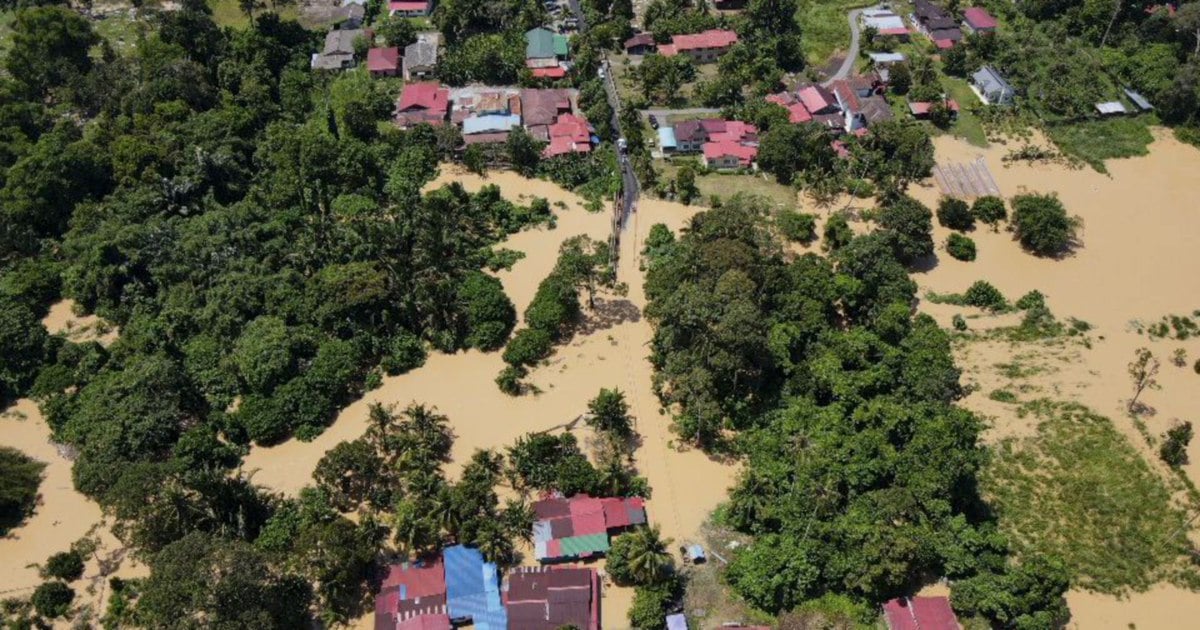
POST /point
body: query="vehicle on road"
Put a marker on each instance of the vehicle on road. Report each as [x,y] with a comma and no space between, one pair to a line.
[622,145]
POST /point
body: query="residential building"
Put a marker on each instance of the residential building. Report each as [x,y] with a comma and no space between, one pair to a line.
[920,613]
[797,113]
[473,589]
[883,62]
[991,87]
[540,108]
[410,8]
[884,22]
[666,140]
[549,598]
[421,57]
[579,527]
[383,62]
[936,23]
[704,47]
[338,52]
[413,597]
[488,128]
[817,100]
[544,44]
[920,109]
[860,101]
[422,103]
[727,155]
[349,15]
[978,20]
[569,134]
[640,44]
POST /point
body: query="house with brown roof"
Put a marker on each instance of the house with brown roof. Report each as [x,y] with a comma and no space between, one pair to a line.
[549,598]
[426,102]
[936,23]
[705,47]
[640,44]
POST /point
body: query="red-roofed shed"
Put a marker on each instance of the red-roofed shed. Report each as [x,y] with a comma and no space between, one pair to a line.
[553,72]
[933,613]
[979,20]
[383,62]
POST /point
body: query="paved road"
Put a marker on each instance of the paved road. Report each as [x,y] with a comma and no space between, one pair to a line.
[852,54]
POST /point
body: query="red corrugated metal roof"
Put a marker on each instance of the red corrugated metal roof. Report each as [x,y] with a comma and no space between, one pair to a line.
[712,38]
[933,613]
[556,72]
[717,150]
[814,98]
[587,516]
[425,95]
[944,43]
[408,6]
[383,59]
[417,581]
[978,17]
[425,622]
[798,114]
[899,615]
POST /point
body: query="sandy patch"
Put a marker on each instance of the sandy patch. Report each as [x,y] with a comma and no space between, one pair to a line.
[1137,262]
[63,516]
[686,485]
[62,320]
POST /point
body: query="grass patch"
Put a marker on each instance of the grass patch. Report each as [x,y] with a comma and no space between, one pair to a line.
[726,185]
[229,13]
[1078,490]
[825,28]
[1095,141]
[1003,395]
[1016,370]
[968,126]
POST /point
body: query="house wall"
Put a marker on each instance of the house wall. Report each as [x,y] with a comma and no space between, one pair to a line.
[726,161]
[705,55]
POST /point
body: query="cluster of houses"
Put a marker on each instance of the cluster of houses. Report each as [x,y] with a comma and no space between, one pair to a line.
[459,587]
[723,144]
[930,20]
[703,47]
[489,114]
[547,54]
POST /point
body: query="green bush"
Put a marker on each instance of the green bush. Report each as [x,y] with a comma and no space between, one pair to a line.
[490,314]
[66,566]
[652,604]
[989,210]
[958,322]
[960,247]
[983,295]
[955,214]
[528,346]
[1174,447]
[798,227]
[405,352]
[1042,225]
[509,379]
[20,476]
[1033,299]
[53,599]
[837,232]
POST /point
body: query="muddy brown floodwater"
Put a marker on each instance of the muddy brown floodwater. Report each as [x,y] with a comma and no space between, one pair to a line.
[611,351]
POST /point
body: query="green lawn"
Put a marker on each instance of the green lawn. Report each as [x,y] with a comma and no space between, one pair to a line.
[824,27]
[229,13]
[968,126]
[1095,141]
[726,185]
[1079,491]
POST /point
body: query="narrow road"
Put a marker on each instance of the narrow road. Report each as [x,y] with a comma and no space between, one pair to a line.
[852,54]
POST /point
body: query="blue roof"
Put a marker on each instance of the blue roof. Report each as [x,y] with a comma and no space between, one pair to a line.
[473,589]
[676,622]
[666,137]
[490,123]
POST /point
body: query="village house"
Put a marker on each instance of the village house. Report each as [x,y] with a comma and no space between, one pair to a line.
[920,109]
[578,527]
[569,134]
[885,22]
[640,44]
[727,155]
[349,15]
[936,23]
[383,62]
[978,20]
[410,8]
[421,57]
[882,62]
[338,52]
[413,597]
[545,52]
[419,103]
[549,598]
[705,47]
[991,88]
[860,101]
[920,613]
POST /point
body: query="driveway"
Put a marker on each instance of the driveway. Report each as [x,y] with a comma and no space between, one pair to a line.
[852,54]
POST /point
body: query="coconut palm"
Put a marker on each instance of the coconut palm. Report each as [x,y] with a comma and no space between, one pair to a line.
[647,558]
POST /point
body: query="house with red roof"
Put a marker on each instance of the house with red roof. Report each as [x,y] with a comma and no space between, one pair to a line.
[920,613]
[569,134]
[705,47]
[383,62]
[410,8]
[978,20]
[425,102]
[726,154]
[579,527]
[920,109]
[549,598]
[413,597]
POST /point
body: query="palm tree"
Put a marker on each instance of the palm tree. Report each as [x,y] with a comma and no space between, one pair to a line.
[494,542]
[648,559]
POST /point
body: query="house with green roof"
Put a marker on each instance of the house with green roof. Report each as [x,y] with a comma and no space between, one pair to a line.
[542,43]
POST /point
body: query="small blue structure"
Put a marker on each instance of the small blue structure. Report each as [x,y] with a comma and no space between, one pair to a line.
[677,622]
[696,554]
[666,139]
[473,589]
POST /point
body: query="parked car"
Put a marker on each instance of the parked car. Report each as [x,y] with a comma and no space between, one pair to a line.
[653,121]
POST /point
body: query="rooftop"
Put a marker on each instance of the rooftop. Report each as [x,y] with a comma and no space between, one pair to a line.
[920,613]
[978,17]
[383,59]
[712,38]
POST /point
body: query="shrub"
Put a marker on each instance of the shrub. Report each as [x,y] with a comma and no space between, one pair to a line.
[908,225]
[53,599]
[490,314]
[405,352]
[837,232]
[958,322]
[1174,447]
[1041,224]
[797,227]
[983,295]
[20,476]
[955,214]
[1033,299]
[989,210]
[528,346]
[509,380]
[652,604]
[960,247]
[66,566]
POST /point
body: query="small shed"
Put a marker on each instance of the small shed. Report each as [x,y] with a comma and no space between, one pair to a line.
[1138,100]
[1111,108]
[677,622]
[666,139]
[695,554]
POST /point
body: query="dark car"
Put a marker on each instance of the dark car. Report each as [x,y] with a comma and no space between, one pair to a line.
[653,121]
